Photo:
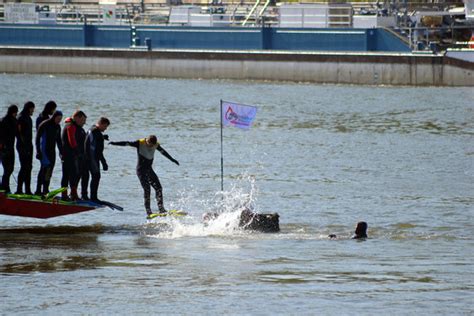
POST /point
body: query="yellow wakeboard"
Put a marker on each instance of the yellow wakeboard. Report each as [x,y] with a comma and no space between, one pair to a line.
[174,213]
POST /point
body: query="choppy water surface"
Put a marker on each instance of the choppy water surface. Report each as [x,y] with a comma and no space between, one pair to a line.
[322,156]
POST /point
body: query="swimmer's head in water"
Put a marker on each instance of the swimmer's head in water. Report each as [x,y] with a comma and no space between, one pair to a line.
[361,230]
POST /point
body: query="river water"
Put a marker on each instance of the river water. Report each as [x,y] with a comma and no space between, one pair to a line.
[322,156]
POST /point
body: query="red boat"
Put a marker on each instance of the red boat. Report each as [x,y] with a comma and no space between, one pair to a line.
[36,207]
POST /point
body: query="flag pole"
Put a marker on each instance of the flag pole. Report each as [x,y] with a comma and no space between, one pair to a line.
[222,155]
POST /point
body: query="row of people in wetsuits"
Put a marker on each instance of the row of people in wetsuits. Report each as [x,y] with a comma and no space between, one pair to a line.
[80,152]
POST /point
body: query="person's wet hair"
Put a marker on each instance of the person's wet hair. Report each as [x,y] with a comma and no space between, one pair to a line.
[104,120]
[56,114]
[12,109]
[27,106]
[152,139]
[49,107]
[79,114]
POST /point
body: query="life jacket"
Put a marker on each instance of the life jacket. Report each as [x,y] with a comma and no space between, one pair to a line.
[146,151]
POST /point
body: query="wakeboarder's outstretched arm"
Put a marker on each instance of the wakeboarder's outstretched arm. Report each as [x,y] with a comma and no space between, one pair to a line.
[125,143]
[165,153]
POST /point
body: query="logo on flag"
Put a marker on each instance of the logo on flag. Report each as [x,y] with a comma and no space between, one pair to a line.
[238,115]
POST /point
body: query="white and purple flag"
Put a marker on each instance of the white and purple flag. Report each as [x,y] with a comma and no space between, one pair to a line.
[238,115]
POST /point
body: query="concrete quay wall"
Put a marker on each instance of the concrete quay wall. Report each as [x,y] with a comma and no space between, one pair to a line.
[327,67]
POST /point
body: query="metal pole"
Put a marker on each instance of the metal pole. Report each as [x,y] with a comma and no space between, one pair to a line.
[222,154]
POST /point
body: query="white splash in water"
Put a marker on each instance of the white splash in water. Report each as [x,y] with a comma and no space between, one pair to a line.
[227,206]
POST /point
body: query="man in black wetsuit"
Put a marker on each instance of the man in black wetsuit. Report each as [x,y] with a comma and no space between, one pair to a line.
[47,137]
[24,147]
[146,148]
[48,110]
[7,145]
[94,152]
[73,138]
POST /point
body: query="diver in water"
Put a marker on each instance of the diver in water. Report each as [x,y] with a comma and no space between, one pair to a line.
[146,148]
[48,110]
[7,145]
[48,136]
[94,152]
[24,146]
[359,233]
[73,138]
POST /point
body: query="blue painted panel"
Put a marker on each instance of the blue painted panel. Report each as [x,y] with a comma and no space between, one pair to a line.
[202,38]
[386,41]
[41,35]
[111,37]
[320,39]
[371,35]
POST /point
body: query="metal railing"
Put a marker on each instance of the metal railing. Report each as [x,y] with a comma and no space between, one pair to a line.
[436,39]
[69,14]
